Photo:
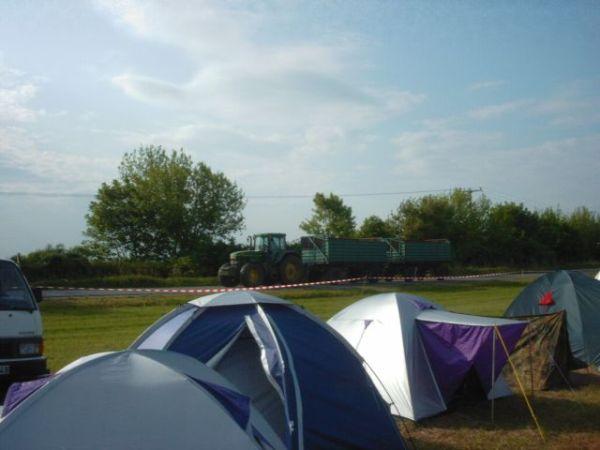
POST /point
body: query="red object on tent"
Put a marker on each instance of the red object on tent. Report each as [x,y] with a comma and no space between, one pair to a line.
[547,299]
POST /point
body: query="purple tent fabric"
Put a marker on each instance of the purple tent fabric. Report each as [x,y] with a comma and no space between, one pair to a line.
[453,349]
[17,392]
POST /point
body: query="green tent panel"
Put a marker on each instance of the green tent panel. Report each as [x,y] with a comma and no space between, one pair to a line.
[576,294]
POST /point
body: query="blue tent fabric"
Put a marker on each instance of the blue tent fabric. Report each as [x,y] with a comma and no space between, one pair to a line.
[345,413]
[329,400]
[215,328]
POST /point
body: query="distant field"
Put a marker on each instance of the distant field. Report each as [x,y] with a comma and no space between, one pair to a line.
[80,326]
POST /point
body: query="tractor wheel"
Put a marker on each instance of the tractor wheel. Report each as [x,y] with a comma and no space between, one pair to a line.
[290,270]
[227,276]
[252,274]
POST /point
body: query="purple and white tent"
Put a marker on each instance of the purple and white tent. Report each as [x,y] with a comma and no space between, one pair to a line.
[419,355]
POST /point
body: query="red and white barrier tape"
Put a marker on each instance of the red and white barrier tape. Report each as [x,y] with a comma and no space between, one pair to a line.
[270,287]
[442,278]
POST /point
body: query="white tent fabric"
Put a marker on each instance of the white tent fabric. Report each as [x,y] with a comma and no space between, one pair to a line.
[133,400]
[598,276]
[236,298]
[383,329]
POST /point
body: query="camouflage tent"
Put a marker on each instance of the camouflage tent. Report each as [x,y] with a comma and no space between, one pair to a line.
[542,356]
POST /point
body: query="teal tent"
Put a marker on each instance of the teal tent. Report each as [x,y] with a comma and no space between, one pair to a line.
[576,294]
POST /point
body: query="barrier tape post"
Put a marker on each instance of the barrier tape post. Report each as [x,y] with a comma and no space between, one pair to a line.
[535,419]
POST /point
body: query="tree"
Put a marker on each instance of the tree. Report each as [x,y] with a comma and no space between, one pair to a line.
[456,216]
[512,234]
[586,225]
[374,226]
[330,217]
[162,206]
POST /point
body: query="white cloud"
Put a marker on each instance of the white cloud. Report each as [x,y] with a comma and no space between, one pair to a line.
[571,105]
[48,169]
[553,171]
[494,111]
[242,80]
[16,93]
[439,150]
[488,84]
[278,111]
[22,151]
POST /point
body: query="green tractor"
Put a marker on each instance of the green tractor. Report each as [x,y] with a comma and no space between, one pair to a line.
[270,260]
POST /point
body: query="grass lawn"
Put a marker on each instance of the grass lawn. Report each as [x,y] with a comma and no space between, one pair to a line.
[80,326]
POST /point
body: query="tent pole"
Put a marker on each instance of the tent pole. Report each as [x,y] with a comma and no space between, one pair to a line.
[410,439]
[537,424]
[493,371]
[402,419]
[561,372]
[531,366]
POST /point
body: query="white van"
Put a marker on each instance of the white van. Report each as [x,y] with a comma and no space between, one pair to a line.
[21,341]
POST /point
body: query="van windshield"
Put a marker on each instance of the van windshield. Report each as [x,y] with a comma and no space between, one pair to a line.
[14,292]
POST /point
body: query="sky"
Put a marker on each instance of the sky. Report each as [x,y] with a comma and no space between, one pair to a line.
[289,98]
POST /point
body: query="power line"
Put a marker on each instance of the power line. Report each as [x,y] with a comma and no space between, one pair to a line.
[364,194]
[290,196]
[44,194]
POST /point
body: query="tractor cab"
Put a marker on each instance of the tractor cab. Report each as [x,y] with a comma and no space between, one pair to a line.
[270,243]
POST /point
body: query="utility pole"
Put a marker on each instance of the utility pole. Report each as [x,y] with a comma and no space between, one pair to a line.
[472,191]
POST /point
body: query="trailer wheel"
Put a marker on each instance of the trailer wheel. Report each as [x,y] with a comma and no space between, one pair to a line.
[290,270]
[252,274]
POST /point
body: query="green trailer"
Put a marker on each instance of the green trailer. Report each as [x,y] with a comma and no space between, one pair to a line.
[331,258]
[431,251]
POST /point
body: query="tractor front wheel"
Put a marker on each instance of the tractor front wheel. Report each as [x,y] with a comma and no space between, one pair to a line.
[252,274]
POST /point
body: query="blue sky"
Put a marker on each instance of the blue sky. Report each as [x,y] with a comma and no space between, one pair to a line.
[291,98]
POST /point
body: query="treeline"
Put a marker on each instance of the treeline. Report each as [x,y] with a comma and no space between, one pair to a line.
[482,233]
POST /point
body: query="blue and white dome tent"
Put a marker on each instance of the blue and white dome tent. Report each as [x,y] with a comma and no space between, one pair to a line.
[305,379]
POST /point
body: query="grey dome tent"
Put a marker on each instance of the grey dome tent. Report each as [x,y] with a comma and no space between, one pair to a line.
[576,294]
[419,355]
[151,400]
[304,378]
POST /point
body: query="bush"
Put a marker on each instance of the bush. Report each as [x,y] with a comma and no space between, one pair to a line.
[55,263]
[184,267]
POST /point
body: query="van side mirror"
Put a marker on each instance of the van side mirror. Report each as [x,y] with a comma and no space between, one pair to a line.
[37,293]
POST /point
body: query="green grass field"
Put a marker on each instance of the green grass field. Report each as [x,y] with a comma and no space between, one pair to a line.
[80,326]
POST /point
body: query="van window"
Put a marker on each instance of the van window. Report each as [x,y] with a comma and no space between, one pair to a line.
[14,293]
